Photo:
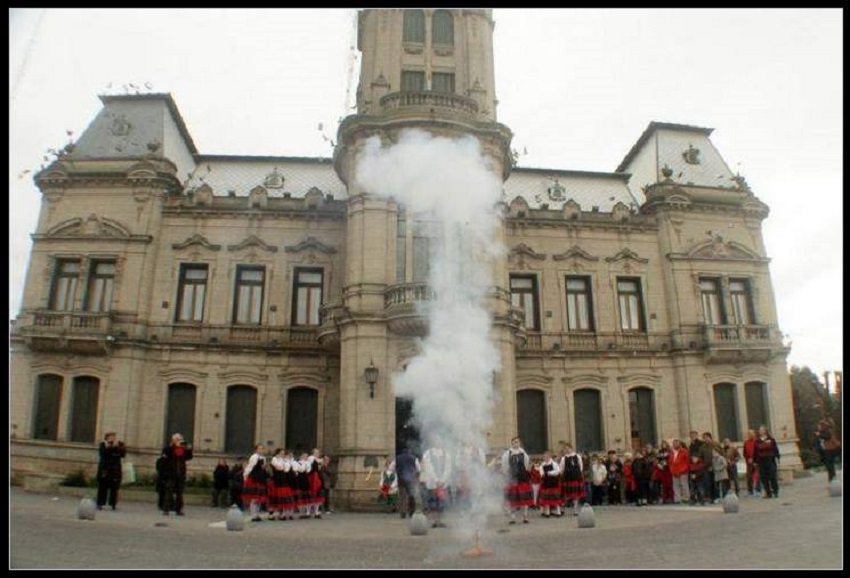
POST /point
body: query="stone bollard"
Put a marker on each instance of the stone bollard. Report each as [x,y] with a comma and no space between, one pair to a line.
[235,520]
[730,503]
[86,509]
[586,517]
[418,524]
[835,487]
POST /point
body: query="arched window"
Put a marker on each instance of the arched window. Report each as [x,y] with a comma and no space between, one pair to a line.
[443,28]
[726,408]
[241,419]
[755,392]
[531,420]
[48,396]
[642,417]
[84,398]
[588,420]
[180,411]
[414,26]
[302,419]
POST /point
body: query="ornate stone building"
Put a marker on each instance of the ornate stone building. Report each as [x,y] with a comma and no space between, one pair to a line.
[267,299]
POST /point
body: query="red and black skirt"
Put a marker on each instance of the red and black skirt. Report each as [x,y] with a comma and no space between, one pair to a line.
[519,494]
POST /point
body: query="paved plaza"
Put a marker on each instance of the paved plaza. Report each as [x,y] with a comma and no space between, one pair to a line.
[801,529]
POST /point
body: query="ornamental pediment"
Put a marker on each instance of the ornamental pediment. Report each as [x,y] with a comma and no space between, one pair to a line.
[196,239]
[252,241]
[308,244]
[627,255]
[525,251]
[575,252]
[93,226]
[717,248]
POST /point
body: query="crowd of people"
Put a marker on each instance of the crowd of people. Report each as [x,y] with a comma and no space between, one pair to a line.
[696,470]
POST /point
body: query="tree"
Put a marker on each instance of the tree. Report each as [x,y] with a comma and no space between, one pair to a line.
[812,403]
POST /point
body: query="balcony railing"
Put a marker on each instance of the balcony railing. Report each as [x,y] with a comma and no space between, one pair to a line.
[248,335]
[588,341]
[428,100]
[408,293]
[68,322]
[738,335]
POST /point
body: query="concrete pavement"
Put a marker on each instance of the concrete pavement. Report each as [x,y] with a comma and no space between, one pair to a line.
[801,529]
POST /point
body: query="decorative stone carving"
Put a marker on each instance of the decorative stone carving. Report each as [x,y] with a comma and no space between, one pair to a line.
[314,198]
[310,243]
[196,240]
[258,198]
[717,248]
[691,155]
[203,196]
[253,241]
[571,210]
[556,191]
[519,207]
[620,212]
[575,252]
[120,126]
[274,180]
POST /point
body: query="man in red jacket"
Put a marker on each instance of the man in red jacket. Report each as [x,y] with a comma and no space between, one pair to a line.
[679,469]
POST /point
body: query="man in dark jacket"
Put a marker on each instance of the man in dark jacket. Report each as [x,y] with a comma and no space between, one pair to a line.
[175,455]
[221,479]
[407,468]
[111,451]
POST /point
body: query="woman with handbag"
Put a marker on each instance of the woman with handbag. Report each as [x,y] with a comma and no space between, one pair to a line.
[828,446]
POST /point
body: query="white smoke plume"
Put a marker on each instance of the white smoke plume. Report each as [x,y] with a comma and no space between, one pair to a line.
[451,380]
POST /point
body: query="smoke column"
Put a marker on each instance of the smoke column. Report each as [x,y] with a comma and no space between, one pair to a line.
[450,381]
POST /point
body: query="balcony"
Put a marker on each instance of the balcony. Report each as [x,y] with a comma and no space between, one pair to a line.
[405,307]
[427,102]
[331,314]
[239,336]
[74,332]
[739,343]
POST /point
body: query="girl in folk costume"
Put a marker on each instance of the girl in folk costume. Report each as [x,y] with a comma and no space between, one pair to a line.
[388,485]
[516,467]
[436,472]
[536,481]
[550,486]
[254,482]
[572,472]
[300,467]
[290,480]
[279,491]
[314,483]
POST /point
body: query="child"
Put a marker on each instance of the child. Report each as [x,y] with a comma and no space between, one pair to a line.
[235,483]
[615,477]
[599,477]
[536,480]
[254,478]
[629,479]
[721,473]
[389,486]
[550,487]
[221,475]
[696,476]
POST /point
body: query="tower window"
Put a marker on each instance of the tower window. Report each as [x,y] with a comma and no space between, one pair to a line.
[443,28]
[412,80]
[443,82]
[414,26]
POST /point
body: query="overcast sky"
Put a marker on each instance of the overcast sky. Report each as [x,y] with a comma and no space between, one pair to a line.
[577,88]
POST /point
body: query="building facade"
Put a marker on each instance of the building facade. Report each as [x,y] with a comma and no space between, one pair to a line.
[242,300]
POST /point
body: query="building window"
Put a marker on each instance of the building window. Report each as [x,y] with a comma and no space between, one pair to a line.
[180,411]
[191,293]
[443,29]
[414,26]
[65,283]
[422,233]
[755,393]
[443,82]
[48,396]
[101,284]
[588,419]
[742,303]
[642,417]
[249,295]
[400,245]
[531,420]
[84,398]
[308,296]
[712,308]
[240,420]
[631,305]
[579,304]
[412,80]
[726,409]
[302,419]
[524,296]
